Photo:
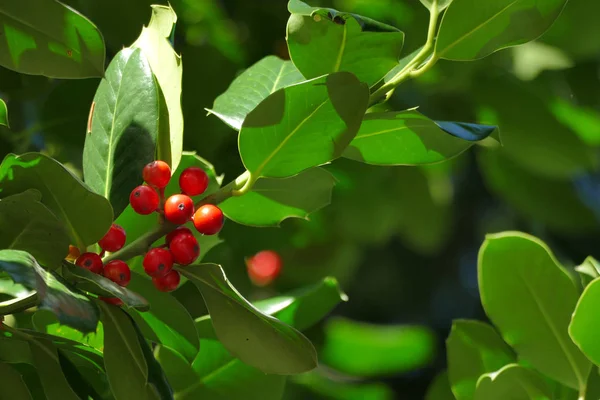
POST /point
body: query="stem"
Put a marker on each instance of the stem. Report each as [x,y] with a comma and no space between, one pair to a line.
[411,70]
[241,185]
[19,304]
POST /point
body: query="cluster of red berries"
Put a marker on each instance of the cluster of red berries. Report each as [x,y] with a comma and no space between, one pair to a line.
[264,267]
[181,247]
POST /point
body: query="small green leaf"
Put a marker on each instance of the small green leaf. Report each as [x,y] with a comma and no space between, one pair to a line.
[129,110]
[272,200]
[46,322]
[519,264]
[16,389]
[473,349]
[63,193]
[406,138]
[258,340]
[588,270]
[49,38]
[3,114]
[167,68]
[585,321]
[27,224]
[46,361]
[253,86]
[302,126]
[440,388]
[441,4]
[323,41]
[492,25]
[513,382]
[362,349]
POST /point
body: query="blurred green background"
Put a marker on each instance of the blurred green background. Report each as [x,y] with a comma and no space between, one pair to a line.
[402,241]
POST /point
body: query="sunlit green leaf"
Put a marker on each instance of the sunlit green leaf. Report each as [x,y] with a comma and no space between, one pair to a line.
[585,321]
[513,381]
[46,322]
[3,114]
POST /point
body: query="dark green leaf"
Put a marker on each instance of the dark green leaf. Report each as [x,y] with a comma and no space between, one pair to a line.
[272,200]
[406,138]
[63,193]
[513,382]
[47,363]
[492,25]
[592,389]
[338,389]
[441,4]
[72,308]
[97,284]
[588,270]
[76,379]
[178,370]
[48,38]
[585,322]
[46,322]
[473,349]
[16,389]
[302,126]
[257,339]
[519,264]
[167,68]
[440,388]
[3,114]
[253,86]
[128,113]
[28,225]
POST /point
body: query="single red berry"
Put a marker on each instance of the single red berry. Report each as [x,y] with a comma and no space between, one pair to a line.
[157,174]
[264,267]
[177,231]
[208,219]
[118,272]
[158,262]
[167,283]
[193,181]
[179,209]
[185,249]
[144,200]
[90,261]
[114,239]
[115,301]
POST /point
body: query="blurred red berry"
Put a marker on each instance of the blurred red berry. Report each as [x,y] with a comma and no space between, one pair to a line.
[185,249]
[158,262]
[264,267]
[157,174]
[167,283]
[114,239]
[118,272]
[208,219]
[193,181]
[144,200]
[179,209]
[91,262]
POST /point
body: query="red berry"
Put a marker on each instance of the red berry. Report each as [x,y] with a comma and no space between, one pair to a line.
[208,219]
[118,272]
[91,262]
[115,301]
[177,231]
[167,283]
[179,209]
[264,267]
[185,249]
[193,181]
[114,239]
[144,200]
[158,262]
[157,174]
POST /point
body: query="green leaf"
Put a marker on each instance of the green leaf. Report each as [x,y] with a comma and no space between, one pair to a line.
[473,349]
[493,25]
[128,113]
[26,224]
[588,270]
[362,349]
[338,389]
[3,114]
[592,388]
[63,193]
[404,138]
[46,322]
[17,389]
[440,388]
[585,321]
[48,38]
[72,308]
[178,370]
[167,68]
[258,340]
[513,382]
[167,320]
[302,126]
[97,284]
[253,86]
[77,380]
[272,200]
[441,4]
[524,267]
[323,41]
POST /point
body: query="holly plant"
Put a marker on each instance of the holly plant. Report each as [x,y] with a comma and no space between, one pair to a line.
[93,265]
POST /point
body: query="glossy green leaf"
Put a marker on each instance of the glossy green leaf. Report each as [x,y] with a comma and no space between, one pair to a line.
[3,114]
[272,200]
[439,389]
[46,322]
[544,294]
[323,41]
[404,138]
[473,349]
[128,113]
[441,4]
[17,389]
[588,270]
[97,284]
[513,382]
[48,38]
[257,339]
[585,320]
[363,349]
[168,321]
[27,224]
[253,86]
[302,126]
[167,68]
[72,308]
[78,381]
[46,361]
[338,389]
[63,193]
[493,25]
